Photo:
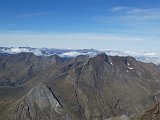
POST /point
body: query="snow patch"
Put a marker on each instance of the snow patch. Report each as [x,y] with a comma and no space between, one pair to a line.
[130,68]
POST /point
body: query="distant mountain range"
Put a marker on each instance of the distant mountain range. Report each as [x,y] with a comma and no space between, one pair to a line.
[141,55]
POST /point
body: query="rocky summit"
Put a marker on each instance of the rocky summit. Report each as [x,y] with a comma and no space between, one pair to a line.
[38,104]
[82,88]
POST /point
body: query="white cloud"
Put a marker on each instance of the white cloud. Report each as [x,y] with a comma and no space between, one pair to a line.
[142,14]
[36,14]
[78,40]
[133,10]
[68,40]
[118,9]
[67,36]
[130,20]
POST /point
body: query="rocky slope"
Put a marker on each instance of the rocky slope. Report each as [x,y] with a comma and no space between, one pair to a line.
[84,88]
[151,113]
[108,86]
[18,69]
[38,104]
[123,117]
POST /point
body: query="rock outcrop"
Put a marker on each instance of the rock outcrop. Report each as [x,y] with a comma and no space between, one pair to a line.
[123,117]
[151,113]
[38,104]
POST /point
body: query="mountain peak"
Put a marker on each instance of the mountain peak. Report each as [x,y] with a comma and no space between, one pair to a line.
[39,91]
[39,104]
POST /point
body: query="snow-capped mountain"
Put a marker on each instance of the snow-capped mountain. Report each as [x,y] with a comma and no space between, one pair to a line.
[145,56]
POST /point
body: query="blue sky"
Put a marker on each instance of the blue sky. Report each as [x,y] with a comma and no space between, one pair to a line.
[99,24]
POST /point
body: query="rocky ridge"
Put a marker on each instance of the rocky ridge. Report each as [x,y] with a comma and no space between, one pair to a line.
[81,88]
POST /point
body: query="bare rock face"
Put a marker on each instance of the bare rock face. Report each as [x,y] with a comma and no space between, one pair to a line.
[152,113]
[123,117]
[39,104]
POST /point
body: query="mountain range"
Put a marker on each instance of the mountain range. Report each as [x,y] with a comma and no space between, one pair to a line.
[99,87]
[141,55]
